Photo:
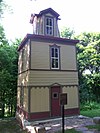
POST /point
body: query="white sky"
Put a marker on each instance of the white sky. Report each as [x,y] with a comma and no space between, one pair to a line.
[80,15]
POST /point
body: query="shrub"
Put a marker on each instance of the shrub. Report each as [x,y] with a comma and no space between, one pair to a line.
[89,106]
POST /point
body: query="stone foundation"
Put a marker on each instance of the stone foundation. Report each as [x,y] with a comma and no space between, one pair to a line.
[96,120]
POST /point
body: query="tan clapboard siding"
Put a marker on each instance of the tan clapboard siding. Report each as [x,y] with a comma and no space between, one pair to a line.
[72,96]
[38,25]
[25,59]
[18,96]
[40,99]
[39,55]
[49,15]
[41,24]
[56,30]
[68,57]
[50,77]
[23,79]
[25,99]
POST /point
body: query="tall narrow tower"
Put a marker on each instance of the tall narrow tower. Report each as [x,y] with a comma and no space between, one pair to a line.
[46,68]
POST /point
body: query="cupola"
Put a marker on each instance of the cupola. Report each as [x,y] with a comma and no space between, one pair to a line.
[45,23]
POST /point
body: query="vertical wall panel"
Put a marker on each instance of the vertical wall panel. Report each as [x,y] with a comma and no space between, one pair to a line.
[25,100]
[72,95]
[18,96]
[40,99]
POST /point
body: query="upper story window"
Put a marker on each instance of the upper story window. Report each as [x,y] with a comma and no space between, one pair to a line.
[49,26]
[55,57]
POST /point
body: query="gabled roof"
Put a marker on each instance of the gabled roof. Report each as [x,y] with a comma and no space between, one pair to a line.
[48,10]
[47,38]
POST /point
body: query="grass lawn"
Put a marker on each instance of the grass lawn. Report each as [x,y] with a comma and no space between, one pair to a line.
[94,127]
[10,126]
[69,131]
[91,113]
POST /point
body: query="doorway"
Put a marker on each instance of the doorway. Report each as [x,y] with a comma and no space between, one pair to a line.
[55,106]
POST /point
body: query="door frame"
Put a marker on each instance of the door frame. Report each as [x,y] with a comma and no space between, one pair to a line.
[60,91]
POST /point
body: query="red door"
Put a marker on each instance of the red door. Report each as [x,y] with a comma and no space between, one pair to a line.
[55,106]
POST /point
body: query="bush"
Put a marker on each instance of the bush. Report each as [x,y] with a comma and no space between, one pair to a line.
[89,106]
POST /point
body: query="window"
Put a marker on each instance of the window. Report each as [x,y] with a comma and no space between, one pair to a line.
[49,26]
[55,95]
[54,57]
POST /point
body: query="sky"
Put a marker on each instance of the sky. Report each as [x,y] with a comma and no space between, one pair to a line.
[79,15]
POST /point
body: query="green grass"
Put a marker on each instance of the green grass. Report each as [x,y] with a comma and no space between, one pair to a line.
[89,106]
[97,127]
[69,131]
[91,113]
[10,126]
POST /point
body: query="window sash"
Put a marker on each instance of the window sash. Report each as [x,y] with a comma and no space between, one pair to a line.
[49,26]
[54,58]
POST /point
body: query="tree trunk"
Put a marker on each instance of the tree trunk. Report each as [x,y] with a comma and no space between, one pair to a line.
[3,104]
[11,110]
[3,110]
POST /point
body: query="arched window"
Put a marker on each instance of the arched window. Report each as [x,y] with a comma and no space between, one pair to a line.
[49,26]
[55,57]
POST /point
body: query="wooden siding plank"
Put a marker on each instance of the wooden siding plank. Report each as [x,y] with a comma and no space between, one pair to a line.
[72,96]
[18,96]
[40,56]
[50,77]
[25,100]
[68,57]
[40,99]
[23,78]
[25,58]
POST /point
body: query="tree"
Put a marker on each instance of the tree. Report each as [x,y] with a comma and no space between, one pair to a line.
[67,33]
[4,7]
[88,56]
[4,75]
[3,40]
[1,10]
[88,51]
[8,71]
[8,77]
[8,74]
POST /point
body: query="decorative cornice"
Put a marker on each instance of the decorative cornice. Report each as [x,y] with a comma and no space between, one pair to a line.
[47,86]
[47,38]
[59,70]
